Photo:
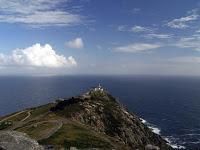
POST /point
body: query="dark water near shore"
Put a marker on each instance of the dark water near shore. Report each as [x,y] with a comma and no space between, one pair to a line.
[170,103]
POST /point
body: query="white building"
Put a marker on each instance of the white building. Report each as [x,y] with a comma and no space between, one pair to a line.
[98,88]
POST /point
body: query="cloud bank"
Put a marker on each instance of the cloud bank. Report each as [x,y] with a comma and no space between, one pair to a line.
[37,13]
[36,56]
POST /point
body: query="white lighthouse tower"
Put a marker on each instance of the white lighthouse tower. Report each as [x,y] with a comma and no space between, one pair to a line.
[98,88]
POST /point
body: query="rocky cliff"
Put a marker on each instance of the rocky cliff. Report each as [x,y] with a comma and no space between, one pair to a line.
[103,113]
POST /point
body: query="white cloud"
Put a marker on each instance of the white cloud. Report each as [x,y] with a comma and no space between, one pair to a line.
[140,29]
[158,36]
[189,42]
[182,22]
[37,13]
[137,47]
[75,43]
[36,56]
[147,32]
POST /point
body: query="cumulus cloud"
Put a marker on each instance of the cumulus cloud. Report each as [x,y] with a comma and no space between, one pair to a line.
[75,43]
[137,29]
[137,47]
[37,13]
[182,22]
[36,56]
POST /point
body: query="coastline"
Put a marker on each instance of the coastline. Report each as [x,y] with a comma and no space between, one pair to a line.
[157,130]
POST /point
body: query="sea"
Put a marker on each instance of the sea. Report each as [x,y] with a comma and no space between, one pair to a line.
[169,105]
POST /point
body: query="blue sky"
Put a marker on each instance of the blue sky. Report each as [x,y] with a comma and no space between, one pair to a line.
[44,37]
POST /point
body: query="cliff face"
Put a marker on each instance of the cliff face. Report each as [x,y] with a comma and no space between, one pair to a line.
[92,120]
[104,114]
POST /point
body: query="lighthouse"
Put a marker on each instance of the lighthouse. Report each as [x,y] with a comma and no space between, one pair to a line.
[98,88]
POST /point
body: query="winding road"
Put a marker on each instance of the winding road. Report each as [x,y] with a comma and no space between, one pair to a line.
[29,114]
[12,116]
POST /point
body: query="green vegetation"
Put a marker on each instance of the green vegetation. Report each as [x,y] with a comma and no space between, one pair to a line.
[71,135]
[98,95]
[18,117]
[69,110]
[38,130]
[5,124]
[113,118]
[41,110]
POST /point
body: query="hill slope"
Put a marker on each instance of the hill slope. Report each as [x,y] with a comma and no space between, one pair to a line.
[92,120]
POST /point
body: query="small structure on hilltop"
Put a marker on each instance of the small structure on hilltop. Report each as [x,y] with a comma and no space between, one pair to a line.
[99,88]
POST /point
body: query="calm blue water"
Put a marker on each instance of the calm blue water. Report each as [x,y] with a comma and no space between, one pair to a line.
[170,103]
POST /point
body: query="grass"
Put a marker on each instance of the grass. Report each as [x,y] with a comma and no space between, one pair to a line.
[41,110]
[37,130]
[70,110]
[19,117]
[71,135]
[34,113]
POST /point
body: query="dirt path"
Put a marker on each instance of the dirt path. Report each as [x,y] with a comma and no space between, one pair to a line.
[29,114]
[12,116]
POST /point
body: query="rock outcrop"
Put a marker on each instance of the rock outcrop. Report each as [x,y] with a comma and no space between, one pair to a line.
[13,140]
